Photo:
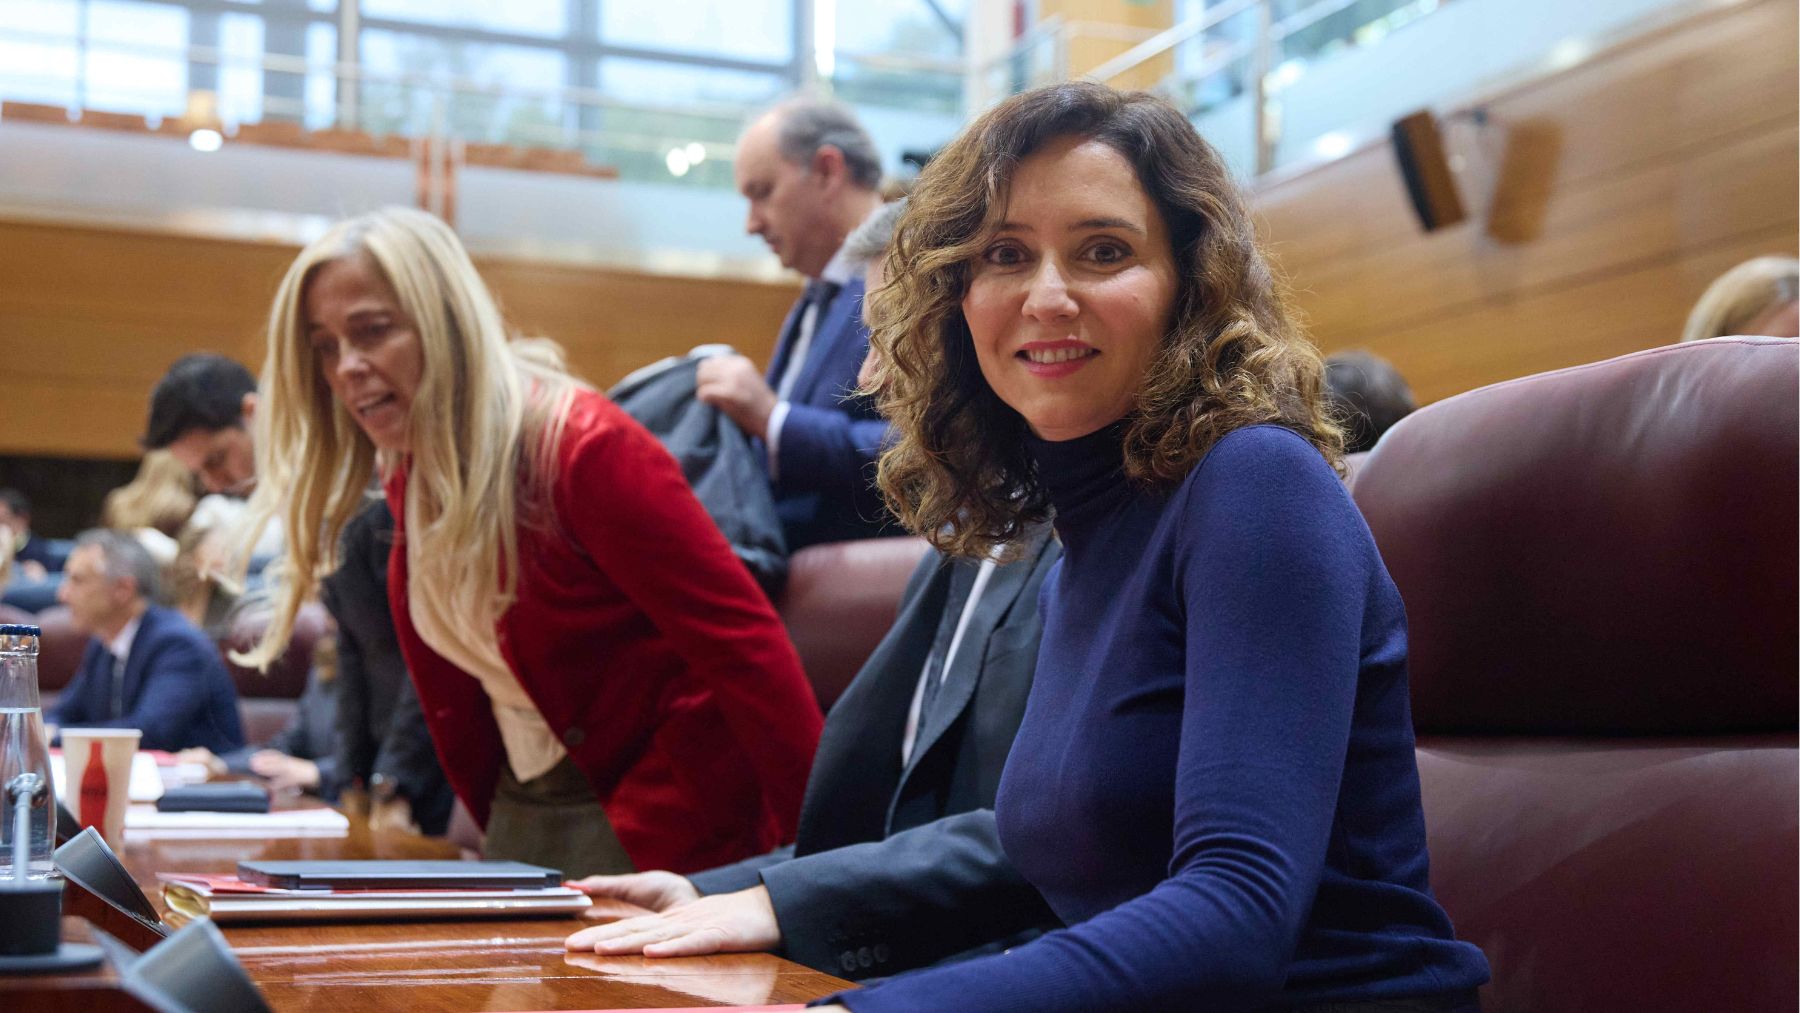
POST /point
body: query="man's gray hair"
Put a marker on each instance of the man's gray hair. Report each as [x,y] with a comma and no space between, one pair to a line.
[870,240]
[804,125]
[123,556]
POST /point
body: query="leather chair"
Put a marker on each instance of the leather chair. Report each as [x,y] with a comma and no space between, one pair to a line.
[266,700]
[1599,568]
[840,599]
[60,647]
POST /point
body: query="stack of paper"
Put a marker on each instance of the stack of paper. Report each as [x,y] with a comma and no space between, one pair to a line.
[145,821]
[225,898]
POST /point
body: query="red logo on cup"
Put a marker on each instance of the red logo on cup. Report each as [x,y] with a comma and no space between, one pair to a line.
[93,789]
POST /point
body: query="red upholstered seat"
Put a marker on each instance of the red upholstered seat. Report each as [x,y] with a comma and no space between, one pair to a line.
[1599,567]
[840,599]
[286,677]
[60,647]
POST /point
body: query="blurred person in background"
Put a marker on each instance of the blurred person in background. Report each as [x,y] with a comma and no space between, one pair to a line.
[37,562]
[1368,395]
[811,175]
[146,667]
[201,412]
[607,686]
[1760,296]
[302,756]
[154,506]
[200,584]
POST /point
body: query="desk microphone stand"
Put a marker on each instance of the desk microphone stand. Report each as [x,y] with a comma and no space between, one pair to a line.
[31,909]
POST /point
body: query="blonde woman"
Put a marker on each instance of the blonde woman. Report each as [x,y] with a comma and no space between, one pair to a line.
[1760,296]
[160,497]
[605,684]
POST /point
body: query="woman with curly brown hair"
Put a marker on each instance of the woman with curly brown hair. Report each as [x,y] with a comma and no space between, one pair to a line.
[1214,786]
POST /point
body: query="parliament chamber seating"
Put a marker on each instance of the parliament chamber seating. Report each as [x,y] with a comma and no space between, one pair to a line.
[1599,573]
[266,700]
[840,599]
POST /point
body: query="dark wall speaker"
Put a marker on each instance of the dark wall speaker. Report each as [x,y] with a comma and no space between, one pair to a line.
[1419,147]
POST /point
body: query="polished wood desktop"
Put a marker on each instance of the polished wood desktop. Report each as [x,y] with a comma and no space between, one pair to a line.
[424,967]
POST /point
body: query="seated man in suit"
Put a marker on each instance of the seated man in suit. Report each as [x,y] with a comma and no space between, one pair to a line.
[147,667]
[810,173]
[897,821]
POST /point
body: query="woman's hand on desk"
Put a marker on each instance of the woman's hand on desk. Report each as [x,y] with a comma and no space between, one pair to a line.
[739,922]
[658,891]
[285,773]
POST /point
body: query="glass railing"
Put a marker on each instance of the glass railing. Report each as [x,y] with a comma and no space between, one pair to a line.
[649,120]
[1233,62]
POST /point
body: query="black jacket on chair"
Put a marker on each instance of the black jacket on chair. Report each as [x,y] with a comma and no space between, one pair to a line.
[897,868]
[716,458]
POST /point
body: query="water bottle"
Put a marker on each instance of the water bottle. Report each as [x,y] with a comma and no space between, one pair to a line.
[23,751]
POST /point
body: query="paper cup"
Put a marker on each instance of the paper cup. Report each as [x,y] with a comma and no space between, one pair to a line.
[97,764]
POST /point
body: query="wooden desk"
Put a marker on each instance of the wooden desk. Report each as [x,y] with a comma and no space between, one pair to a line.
[425,967]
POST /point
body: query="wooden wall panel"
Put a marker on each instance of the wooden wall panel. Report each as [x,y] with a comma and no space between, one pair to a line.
[91,317]
[1617,189]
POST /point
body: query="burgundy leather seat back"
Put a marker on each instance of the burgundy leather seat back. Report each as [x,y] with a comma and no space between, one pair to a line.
[1599,568]
[60,647]
[840,599]
[286,677]
[1609,548]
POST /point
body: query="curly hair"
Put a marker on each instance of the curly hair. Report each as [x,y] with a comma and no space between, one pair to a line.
[958,472]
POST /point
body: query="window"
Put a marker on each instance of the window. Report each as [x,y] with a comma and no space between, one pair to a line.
[134,60]
[38,62]
[546,18]
[898,27]
[398,107]
[744,29]
[654,82]
[240,73]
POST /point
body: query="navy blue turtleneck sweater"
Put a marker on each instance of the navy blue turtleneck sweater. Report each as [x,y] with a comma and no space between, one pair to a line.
[1214,783]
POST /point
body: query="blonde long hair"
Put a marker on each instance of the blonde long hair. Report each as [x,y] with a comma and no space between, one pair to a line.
[160,496]
[486,421]
[1738,297]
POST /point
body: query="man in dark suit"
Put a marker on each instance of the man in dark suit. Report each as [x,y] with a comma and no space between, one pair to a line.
[896,830]
[810,173]
[147,667]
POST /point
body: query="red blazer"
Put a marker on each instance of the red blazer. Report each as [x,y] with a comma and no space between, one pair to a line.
[647,647]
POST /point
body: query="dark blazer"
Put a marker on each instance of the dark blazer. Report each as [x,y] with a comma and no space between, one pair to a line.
[311,734]
[886,861]
[176,690]
[716,458]
[51,553]
[825,476]
[380,728]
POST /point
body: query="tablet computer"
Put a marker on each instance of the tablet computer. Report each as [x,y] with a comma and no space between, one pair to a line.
[375,874]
